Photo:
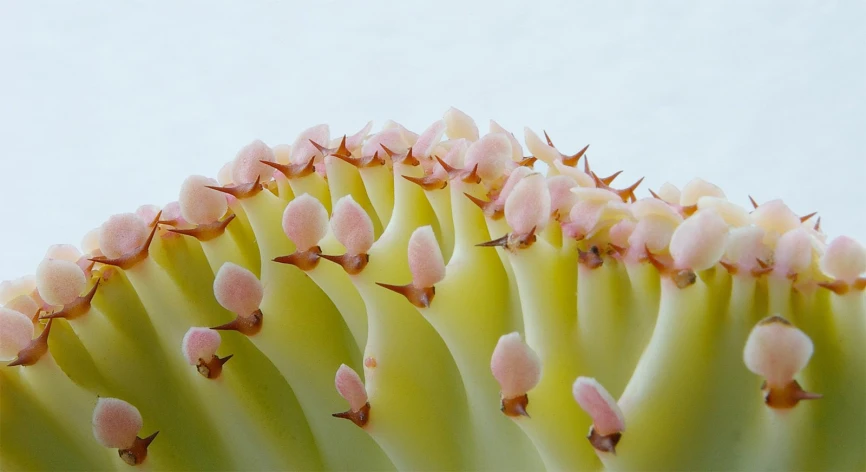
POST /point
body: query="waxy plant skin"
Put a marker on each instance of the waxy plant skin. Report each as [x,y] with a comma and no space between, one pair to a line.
[438,301]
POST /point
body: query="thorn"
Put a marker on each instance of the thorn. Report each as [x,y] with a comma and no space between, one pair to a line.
[860,284]
[407,158]
[571,161]
[528,161]
[603,443]
[657,263]
[247,325]
[547,138]
[490,209]
[77,307]
[512,242]
[136,454]
[206,232]
[754,203]
[609,179]
[730,267]
[591,259]
[838,287]
[132,258]
[343,151]
[805,218]
[427,182]
[626,194]
[759,271]
[304,260]
[420,297]
[212,368]
[241,191]
[372,161]
[293,171]
[35,350]
[655,195]
[515,407]
[689,210]
[470,177]
[788,396]
[352,263]
[762,264]
[360,417]
[495,242]
[619,250]
[818,225]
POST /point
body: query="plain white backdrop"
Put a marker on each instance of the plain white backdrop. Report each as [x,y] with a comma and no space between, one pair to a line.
[105,106]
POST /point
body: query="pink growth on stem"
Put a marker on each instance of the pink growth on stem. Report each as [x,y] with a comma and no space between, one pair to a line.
[116,423]
[305,222]
[237,289]
[352,226]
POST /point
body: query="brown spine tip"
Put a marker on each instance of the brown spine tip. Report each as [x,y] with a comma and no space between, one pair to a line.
[132,258]
[304,260]
[806,218]
[655,195]
[428,182]
[136,454]
[838,287]
[35,350]
[753,202]
[571,161]
[370,362]
[788,396]
[372,161]
[527,161]
[292,171]
[213,367]
[817,226]
[490,208]
[247,325]
[407,159]
[515,407]
[77,307]
[420,297]
[689,210]
[512,241]
[660,265]
[360,417]
[626,194]
[241,191]
[591,259]
[547,138]
[860,284]
[609,179]
[352,263]
[603,443]
[206,232]
[730,267]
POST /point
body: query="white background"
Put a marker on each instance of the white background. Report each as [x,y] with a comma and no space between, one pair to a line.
[107,107]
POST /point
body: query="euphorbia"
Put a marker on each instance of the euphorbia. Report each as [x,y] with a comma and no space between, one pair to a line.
[438,301]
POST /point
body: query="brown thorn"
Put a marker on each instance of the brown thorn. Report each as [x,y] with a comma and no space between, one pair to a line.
[490,209]
[472,177]
[206,232]
[247,325]
[35,350]
[656,262]
[427,182]
[754,203]
[513,241]
[591,259]
[495,242]
[603,443]
[304,260]
[136,454]
[372,161]
[617,249]
[528,161]
[360,417]
[407,159]
[451,171]
[655,195]
[547,138]
[818,225]
[689,210]
[292,171]
[759,271]
[839,287]
[788,396]
[132,258]
[730,267]
[212,368]
[515,407]
[322,149]
[352,263]
[571,161]
[342,150]
[762,264]
[859,283]
[609,179]
[241,191]
[77,307]
[805,218]
[420,297]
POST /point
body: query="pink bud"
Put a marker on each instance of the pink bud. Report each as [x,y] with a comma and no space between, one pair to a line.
[350,387]
[282,154]
[539,148]
[428,139]
[90,241]
[356,140]
[652,232]
[793,252]
[237,289]
[646,207]
[147,213]
[425,258]
[528,206]
[670,193]
[200,344]
[247,166]
[198,204]
[776,350]
[305,222]
[303,149]
[352,226]
[775,217]
[491,154]
[733,214]
[593,398]
[620,232]
[698,188]
[580,177]
[116,423]
[844,259]
[745,246]
[66,252]
[515,366]
[122,234]
[59,282]
[699,242]
[224,176]
[460,125]
[10,289]
[454,158]
[516,149]
[513,178]
[16,331]
[390,138]
[561,196]
[23,304]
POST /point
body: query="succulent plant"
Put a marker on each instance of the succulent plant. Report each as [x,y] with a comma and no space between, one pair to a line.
[438,301]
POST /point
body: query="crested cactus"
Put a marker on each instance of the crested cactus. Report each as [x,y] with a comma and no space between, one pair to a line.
[438,301]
